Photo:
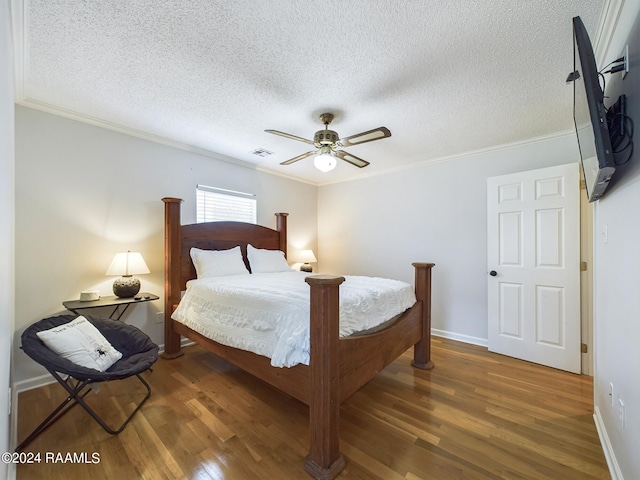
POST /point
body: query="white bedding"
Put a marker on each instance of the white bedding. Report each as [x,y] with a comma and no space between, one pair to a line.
[268,313]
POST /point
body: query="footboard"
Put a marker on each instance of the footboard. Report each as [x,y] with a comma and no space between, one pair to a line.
[339,367]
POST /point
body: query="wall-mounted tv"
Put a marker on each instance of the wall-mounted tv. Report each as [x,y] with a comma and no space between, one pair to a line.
[590,116]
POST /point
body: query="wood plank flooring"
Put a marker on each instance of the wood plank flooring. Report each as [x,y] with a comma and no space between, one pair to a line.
[476,415]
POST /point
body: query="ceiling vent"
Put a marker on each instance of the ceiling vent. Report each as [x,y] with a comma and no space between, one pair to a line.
[262,152]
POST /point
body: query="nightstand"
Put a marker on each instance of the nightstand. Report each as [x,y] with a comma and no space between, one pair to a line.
[120,304]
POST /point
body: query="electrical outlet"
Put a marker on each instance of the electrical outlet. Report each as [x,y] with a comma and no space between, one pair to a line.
[160,317]
[621,412]
[611,393]
[625,54]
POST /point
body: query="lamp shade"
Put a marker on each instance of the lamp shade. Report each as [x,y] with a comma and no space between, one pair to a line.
[128,263]
[307,256]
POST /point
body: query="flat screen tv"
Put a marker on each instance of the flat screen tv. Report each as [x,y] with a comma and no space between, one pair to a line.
[590,116]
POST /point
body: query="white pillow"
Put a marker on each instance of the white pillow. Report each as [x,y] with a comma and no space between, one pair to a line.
[266,261]
[218,263]
[80,342]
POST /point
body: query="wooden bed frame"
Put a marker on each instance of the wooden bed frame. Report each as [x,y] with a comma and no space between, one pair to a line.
[338,367]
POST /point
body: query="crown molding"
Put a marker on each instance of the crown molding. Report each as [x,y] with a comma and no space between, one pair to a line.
[17,11]
[609,18]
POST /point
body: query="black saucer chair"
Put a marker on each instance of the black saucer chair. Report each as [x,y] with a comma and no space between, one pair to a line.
[139,353]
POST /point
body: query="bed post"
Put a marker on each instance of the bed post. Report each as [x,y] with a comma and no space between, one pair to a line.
[324,460]
[422,349]
[172,241]
[281,226]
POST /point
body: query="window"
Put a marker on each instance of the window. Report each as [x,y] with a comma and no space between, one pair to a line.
[217,204]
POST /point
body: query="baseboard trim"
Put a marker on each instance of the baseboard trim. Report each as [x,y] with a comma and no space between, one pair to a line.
[33,382]
[483,342]
[607,448]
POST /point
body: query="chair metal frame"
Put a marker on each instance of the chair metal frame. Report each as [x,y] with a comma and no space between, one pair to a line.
[77,391]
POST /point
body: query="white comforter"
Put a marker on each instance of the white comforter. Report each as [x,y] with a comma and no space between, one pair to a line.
[268,313]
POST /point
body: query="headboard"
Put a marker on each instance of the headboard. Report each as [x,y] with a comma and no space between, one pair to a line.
[178,240]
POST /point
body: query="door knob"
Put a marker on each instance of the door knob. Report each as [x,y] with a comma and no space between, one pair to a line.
[493,273]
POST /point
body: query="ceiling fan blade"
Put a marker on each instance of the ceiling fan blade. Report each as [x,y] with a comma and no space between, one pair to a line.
[364,137]
[352,159]
[288,135]
[299,157]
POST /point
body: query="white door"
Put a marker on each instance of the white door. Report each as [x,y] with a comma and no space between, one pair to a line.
[534,266]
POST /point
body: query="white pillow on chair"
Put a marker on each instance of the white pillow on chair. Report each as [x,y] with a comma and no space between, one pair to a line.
[80,342]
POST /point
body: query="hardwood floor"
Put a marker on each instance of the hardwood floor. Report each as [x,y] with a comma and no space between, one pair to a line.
[476,415]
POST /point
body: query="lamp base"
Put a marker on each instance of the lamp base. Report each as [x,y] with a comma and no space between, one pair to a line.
[126,286]
[306,267]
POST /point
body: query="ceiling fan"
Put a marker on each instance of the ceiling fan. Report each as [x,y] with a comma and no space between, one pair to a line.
[327,143]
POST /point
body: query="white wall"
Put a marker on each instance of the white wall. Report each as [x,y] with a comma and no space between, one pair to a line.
[6,224]
[617,279]
[432,213]
[84,193]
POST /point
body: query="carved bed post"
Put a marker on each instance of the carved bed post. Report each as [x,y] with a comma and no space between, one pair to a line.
[172,273]
[281,226]
[422,349]
[324,460]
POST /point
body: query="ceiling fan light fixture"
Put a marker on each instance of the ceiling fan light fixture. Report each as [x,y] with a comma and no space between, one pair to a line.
[326,141]
[325,162]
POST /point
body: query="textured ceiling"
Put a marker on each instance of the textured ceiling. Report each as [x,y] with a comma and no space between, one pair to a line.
[445,77]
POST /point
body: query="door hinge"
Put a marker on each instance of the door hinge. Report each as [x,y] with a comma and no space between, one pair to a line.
[583,266]
[584,348]
[583,185]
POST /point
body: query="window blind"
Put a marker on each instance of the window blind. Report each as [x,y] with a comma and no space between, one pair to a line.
[218,205]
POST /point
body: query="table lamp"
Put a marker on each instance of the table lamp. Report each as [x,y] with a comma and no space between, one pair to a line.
[307,258]
[127,264]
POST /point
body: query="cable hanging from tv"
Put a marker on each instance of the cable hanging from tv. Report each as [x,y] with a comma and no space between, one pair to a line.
[620,127]
[621,140]
[575,75]
[620,124]
[617,68]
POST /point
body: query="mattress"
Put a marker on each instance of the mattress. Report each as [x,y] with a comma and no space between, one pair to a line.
[268,313]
